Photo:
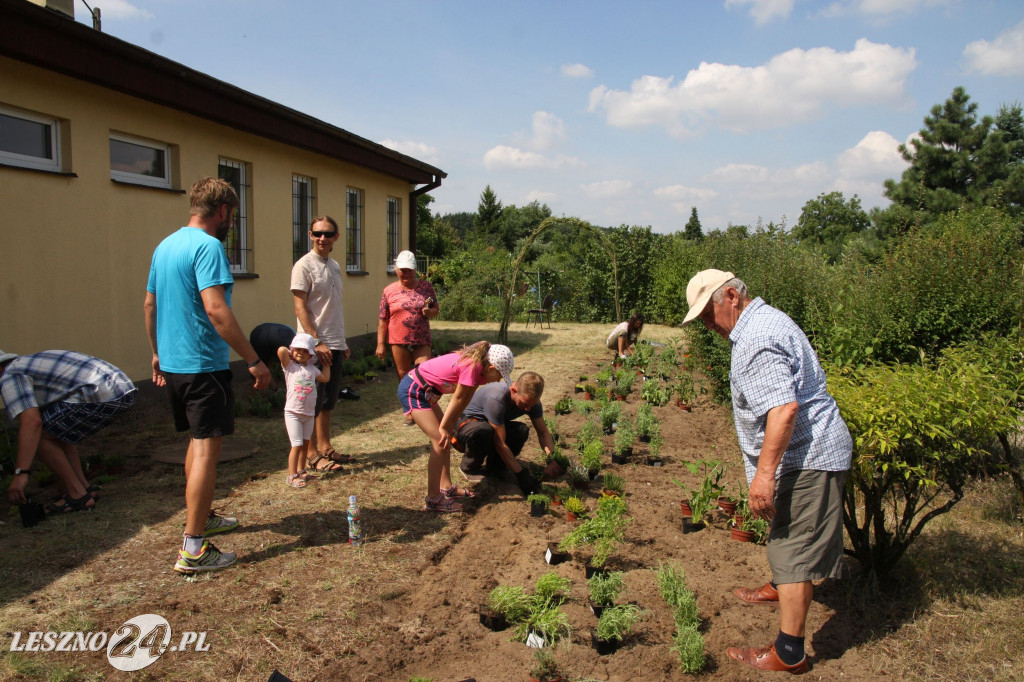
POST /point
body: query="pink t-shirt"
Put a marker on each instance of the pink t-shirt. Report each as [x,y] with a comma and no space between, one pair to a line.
[300,388]
[445,372]
[403,308]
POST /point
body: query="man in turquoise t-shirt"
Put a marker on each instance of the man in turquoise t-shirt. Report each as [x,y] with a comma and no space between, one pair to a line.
[191,329]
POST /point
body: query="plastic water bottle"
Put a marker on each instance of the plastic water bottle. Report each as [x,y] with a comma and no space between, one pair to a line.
[355,525]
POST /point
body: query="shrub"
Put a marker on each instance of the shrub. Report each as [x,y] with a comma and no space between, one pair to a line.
[511,602]
[550,587]
[590,458]
[689,644]
[616,621]
[605,587]
[603,531]
[625,435]
[919,431]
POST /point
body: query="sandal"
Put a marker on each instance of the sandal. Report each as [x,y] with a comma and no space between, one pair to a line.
[317,458]
[456,491]
[305,475]
[295,481]
[66,504]
[441,504]
[336,456]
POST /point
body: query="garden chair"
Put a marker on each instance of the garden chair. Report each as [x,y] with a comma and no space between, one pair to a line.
[541,312]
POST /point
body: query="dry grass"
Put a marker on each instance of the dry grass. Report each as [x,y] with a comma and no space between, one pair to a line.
[302,600]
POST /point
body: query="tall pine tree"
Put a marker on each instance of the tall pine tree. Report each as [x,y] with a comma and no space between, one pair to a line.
[693,230]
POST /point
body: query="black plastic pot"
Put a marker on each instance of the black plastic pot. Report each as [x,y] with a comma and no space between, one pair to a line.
[619,459]
[598,609]
[651,462]
[491,620]
[604,647]
[555,556]
[538,509]
[690,527]
[590,571]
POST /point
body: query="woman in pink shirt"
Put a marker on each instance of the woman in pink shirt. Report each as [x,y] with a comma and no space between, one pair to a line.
[419,390]
[403,320]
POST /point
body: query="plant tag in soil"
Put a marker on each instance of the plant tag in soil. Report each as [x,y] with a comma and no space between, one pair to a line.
[547,555]
[534,641]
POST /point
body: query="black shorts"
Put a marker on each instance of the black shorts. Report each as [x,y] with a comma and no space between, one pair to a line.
[202,403]
[327,394]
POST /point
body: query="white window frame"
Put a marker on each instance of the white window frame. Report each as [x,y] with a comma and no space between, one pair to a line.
[354,256]
[394,234]
[241,214]
[25,161]
[300,224]
[138,178]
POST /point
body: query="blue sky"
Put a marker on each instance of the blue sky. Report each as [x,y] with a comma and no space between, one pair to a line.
[613,112]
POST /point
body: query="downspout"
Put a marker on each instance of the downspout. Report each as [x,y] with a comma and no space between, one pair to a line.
[414,208]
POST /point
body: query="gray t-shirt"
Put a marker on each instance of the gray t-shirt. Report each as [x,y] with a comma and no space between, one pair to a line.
[493,403]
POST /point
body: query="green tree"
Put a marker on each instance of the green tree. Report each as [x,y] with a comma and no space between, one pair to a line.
[488,213]
[437,238]
[957,159]
[693,230]
[828,221]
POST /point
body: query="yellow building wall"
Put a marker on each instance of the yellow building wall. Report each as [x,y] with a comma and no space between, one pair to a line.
[76,250]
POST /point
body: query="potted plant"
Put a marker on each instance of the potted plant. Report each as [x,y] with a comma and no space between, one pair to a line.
[552,424]
[546,669]
[589,391]
[604,588]
[563,406]
[577,476]
[624,384]
[654,450]
[653,393]
[613,625]
[553,555]
[556,464]
[737,533]
[603,531]
[759,527]
[574,508]
[506,604]
[608,415]
[613,485]
[625,434]
[590,458]
[685,393]
[646,422]
[538,504]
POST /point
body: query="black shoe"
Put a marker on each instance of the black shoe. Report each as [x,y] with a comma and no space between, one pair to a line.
[348,394]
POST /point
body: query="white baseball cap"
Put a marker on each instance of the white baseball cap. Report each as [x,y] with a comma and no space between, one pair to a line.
[406,260]
[700,289]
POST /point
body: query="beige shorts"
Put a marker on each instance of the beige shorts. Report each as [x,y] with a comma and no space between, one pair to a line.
[806,540]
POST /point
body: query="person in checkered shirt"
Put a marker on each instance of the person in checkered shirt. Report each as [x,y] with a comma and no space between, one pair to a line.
[796,448]
[60,398]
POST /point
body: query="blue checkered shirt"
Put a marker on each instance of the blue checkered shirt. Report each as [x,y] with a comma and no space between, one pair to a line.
[44,378]
[773,364]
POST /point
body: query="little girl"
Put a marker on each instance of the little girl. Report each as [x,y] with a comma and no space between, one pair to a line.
[300,401]
[419,390]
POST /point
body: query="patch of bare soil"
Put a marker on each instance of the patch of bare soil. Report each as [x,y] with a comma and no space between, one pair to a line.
[302,601]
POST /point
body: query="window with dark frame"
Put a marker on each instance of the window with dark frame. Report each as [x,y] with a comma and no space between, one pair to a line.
[354,230]
[29,141]
[394,232]
[236,244]
[302,213]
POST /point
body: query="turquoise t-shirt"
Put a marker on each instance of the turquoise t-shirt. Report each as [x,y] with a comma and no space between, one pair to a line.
[184,264]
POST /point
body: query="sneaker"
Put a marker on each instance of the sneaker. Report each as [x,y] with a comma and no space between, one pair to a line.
[209,559]
[219,524]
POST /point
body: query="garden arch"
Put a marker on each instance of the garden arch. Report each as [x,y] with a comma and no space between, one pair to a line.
[582,224]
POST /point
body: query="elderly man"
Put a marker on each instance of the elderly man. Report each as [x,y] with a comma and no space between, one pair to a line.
[797,453]
[191,329]
[489,437]
[316,291]
[59,398]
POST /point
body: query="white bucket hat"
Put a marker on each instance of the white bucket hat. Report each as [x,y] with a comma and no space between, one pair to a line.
[305,342]
[406,260]
[7,357]
[699,290]
[501,357]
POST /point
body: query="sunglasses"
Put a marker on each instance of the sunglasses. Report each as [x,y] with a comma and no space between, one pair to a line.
[318,235]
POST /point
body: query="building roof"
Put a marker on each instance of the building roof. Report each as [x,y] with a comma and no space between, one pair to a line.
[54,41]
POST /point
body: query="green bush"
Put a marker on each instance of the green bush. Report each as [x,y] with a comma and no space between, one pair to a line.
[919,431]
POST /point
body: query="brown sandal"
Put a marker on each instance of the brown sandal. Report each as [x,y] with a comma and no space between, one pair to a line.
[319,457]
[336,456]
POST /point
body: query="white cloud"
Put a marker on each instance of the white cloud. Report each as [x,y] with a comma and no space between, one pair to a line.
[1004,56]
[792,87]
[764,11]
[540,196]
[503,156]
[607,188]
[120,9]
[577,71]
[760,184]
[880,8]
[876,155]
[417,150]
[548,130]
[684,194]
